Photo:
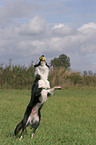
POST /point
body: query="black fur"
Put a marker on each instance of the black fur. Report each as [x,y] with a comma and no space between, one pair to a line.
[36,105]
[36,65]
[35,94]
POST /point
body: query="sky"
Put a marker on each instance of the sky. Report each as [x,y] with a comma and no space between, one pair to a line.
[31,28]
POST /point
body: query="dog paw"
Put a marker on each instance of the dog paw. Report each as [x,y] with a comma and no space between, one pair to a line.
[20,138]
[32,135]
[57,88]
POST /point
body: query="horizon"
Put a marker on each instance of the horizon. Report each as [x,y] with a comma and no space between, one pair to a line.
[30,28]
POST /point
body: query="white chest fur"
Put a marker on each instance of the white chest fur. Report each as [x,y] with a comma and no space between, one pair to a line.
[43,97]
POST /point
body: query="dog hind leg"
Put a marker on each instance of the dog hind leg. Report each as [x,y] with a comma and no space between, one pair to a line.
[25,124]
[36,122]
[34,126]
[22,132]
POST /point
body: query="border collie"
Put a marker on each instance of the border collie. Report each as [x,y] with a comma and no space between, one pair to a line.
[32,114]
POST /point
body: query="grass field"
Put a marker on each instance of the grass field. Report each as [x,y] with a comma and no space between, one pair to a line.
[68,118]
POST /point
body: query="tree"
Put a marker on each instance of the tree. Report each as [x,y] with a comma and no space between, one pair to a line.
[61,61]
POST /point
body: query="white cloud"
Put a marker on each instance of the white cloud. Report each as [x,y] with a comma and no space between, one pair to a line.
[13,12]
[35,26]
[32,39]
[88,26]
[88,35]
[58,26]
[63,29]
[16,8]
[32,47]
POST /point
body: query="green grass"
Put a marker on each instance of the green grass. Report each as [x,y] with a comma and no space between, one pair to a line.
[67,118]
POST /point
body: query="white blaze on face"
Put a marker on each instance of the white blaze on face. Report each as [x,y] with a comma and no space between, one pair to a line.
[42,63]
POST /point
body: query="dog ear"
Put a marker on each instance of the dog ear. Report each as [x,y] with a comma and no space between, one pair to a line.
[47,65]
[36,65]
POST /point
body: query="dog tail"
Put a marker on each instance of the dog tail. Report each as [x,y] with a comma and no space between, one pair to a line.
[18,128]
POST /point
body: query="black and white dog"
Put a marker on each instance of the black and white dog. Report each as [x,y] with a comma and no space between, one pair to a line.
[39,95]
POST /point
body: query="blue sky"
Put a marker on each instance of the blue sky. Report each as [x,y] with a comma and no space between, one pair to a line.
[31,28]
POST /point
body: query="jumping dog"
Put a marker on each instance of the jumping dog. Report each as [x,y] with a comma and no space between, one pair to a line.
[32,115]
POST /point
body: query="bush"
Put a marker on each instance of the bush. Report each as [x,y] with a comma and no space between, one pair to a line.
[20,77]
[17,77]
[76,78]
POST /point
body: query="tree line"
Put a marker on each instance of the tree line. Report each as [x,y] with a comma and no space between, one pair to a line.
[22,77]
